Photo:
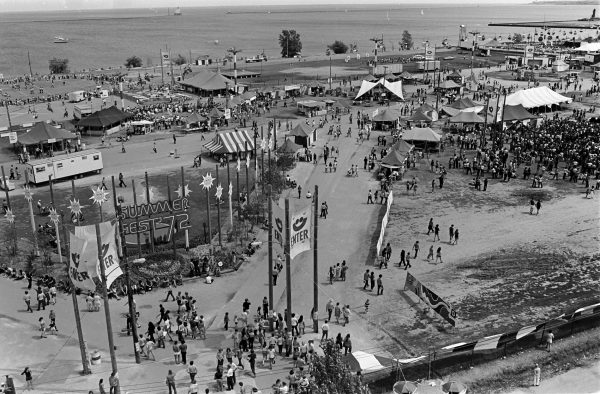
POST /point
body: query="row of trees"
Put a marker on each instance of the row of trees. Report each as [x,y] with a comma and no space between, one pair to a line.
[136,61]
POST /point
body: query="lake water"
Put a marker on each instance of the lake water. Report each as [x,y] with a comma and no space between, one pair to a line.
[107,38]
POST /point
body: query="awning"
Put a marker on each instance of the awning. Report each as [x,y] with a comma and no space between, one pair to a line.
[232,142]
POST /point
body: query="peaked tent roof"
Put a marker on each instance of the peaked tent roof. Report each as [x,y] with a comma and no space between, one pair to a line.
[387,115]
[463,103]
[448,84]
[466,117]
[393,87]
[425,108]
[105,118]
[517,112]
[419,116]
[536,97]
[215,113]
[195,118]
[207,80]
[301,130]
[406,75]
[421,134]
[288,146]
[402,147]
[232,142]
[41,132]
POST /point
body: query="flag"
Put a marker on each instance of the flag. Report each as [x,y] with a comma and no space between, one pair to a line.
[81,268]
[278,221]
[110,258]
[300,231]
[440,306]
[488,343]
[412,284]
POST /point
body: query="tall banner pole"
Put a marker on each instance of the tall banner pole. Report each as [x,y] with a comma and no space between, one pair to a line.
[230,192]
[29,197]
[262,160]
[54,218]
[315,259]
[288,263]
[207,182]
[247,177]
[132,311]
[218,195]
[237,190]
[84,356]
[111,343]
[255,170]
[14,227]
[270,238]
[187,233]
[274,134]
[174,226]
[162,70]
[149,215]
[137,220]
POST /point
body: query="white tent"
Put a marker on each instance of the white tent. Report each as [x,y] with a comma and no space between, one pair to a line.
[536,97]
[393,87]
[589,47]
[421,134]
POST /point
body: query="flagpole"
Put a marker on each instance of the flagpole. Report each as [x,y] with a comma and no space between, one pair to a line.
[162,71]
[132,312]
[14,227]
[270,238]
[262,161]
[111,344]
[56,229]
[137,219]
[315,259]
[84,359]
[208,220]
[151,223]
[247,181]
[32,220]
[187,234]
[255,171]
[288,263]
[237,190]
[230,192]
[174,225]
[219,209]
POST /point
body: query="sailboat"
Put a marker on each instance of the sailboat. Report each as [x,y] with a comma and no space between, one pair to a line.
[388,16]
[422,13]
[177,11]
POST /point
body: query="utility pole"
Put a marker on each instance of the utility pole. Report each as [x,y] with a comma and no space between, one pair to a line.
[288,264]
[29,60]
[234,51]
[329,72]
[377,42]
[270,238]
[315,259]
[475,34]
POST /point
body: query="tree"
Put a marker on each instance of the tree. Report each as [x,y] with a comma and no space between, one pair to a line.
[330,374]
[133,61]
[58,66]
[289,41]
[179,60]
[407,41]
[517,38]
[338,47]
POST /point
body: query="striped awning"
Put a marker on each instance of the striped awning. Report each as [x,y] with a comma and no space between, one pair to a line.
[232,142]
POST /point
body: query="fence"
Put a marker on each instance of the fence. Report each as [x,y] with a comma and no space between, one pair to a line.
[462,355]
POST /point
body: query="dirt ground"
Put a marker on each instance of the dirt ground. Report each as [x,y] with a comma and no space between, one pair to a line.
[509,269]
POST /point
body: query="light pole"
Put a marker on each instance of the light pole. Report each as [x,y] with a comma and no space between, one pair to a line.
[234,52]
[377,41]
[475,35]
[330,72]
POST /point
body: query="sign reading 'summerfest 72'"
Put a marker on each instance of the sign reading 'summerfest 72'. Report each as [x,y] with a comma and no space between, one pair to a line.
[176,217]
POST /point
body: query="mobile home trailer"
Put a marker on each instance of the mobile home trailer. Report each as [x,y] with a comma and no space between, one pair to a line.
[60,167]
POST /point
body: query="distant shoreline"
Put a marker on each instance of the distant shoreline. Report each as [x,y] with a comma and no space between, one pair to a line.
[100,18]
[564,2]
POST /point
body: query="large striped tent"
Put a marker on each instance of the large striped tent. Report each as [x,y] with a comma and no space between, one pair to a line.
[231,142]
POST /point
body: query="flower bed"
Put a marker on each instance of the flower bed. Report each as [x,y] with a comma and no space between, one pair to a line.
[159,266]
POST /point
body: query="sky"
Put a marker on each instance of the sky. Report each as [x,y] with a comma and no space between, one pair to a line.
[47,5]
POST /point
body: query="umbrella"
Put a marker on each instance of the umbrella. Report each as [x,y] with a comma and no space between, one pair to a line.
[454,387]
[404,387]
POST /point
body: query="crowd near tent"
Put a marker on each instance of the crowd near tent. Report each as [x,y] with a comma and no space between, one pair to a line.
[43,133]
[423,137]
[516,113]
[233,142]
[207,83]
[397,155]
[381,86]
[104,121]
[303,135]
[536,97]
[448,85]
[386,119]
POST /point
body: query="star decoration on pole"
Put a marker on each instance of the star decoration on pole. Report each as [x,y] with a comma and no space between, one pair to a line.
[263,144]
[54,216]
[27,194]
[10,216]
[247,159]
[207,181]
[75,206]
[183,191]
[239,165]
[219,192]
[99,195]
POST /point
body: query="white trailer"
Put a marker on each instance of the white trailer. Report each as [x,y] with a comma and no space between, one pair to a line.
[77,96]
[80,111]
[428,65]
[60,167]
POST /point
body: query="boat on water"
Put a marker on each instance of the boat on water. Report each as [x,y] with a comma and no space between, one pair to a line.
[60,40]
[177,11]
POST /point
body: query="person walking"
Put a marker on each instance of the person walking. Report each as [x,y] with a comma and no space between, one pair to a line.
[379,285]
[150,349]
[113,382]
[252,361]
[192,370]
[451,234]
[430,226]
[101,388]
[365,280]
[174,139]
[43,327]
[538,206]
[337,312]
[455,236]
[28,378]
[407,266]
[370,197]
[183,349]
[27,299]
[299,191]
[176,352]
[325,330]
[402,258]
[537,374]
[430,254]
[416,249]
[531,206]
[154,147]
[436,233]
[170,381]
[549,340]
[438,255]
[121,181]
[372,279]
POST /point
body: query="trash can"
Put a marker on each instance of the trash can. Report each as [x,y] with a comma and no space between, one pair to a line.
[96,358]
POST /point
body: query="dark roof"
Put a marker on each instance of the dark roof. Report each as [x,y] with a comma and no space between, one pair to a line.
[301,130]
[466,117]
[41,132]
[288,146]
[106,117]
[463,103]
[207,80]
[517,112]
[419,116]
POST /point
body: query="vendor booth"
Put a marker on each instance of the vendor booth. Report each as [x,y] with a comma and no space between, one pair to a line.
[537,98]
[231,143]
[142,126]
[46,137]
[303,135]
[106,121]
[311,108]
[386,119]
[424,138]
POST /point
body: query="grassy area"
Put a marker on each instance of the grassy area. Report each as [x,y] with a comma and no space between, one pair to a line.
[516,371]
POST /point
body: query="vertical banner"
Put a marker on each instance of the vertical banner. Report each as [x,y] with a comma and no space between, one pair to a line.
[81,270]
[110,257]
[300,231]
[528,51]
[278,220]
[429,52]
[440,306]
[165,57]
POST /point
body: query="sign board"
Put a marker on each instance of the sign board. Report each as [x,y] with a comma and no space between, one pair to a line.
[227,113]
[12,137]
[529,51]
[5,134]
[429,52]
[164,217]
[51,140]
